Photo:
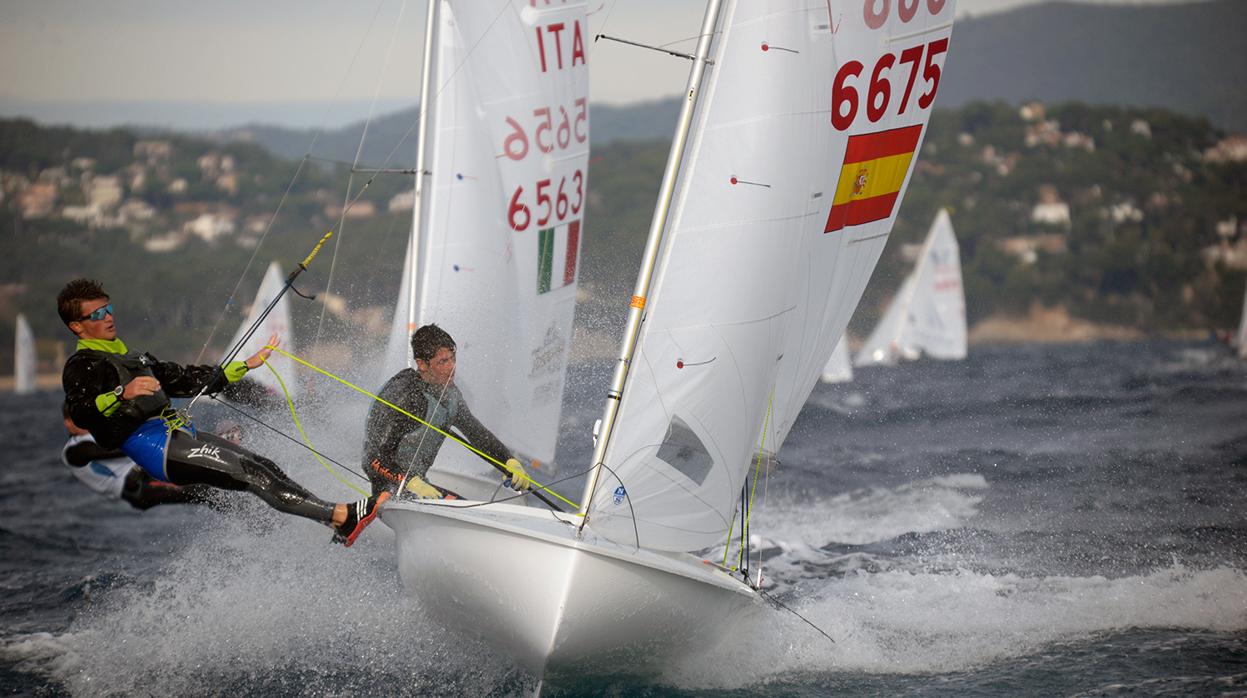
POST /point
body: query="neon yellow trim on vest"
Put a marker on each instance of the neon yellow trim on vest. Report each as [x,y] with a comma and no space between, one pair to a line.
[110,346]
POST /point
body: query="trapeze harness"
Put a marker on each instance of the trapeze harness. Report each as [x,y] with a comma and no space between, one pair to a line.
[170,449]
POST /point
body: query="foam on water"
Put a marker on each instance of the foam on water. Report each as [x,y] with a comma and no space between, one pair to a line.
[874,514]
[279,607]
[909,622]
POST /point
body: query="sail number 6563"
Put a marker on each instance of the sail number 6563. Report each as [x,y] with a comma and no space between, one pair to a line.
[844,96]
[555,204]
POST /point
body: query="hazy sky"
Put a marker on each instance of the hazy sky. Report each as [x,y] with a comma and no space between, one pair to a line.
[243,52]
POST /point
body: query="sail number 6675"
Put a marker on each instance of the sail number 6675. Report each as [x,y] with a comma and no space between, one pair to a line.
[844,96]
[549,204]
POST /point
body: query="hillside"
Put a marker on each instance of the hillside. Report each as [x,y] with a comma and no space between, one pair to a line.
[1188,58]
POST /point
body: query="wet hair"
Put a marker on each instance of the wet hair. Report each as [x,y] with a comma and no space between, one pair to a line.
[69,300]
[426,340]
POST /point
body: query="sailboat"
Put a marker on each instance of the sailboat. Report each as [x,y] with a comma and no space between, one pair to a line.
[504,145]
[24,358]
[928,314]
[1240,340]
[785,175]
[839,368]
[276,322]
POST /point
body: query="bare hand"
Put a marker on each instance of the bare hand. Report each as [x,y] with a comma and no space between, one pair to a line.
[143,385]
[257,359]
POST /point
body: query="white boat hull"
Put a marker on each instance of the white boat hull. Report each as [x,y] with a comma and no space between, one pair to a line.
[556,605]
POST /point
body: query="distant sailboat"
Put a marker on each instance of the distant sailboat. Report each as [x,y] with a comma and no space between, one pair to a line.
[1241,339]
[277,322]
[928,314]
[839,368]
[24,358]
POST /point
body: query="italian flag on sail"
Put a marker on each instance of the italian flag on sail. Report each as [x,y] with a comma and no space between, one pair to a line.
[556,256]
[874,170]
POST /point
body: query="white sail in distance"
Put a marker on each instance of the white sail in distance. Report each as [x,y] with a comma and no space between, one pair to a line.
[277,322]
[787,194]
[839,368]
[24,358]
[928,314]
[1241,339]
[501,224]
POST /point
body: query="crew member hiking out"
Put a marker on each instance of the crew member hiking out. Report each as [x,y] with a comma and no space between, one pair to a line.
[122,397]
[397,446]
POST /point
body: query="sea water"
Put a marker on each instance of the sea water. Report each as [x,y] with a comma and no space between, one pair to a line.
[1042,520]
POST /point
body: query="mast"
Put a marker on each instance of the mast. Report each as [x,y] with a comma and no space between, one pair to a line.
[422,136]
[657,226]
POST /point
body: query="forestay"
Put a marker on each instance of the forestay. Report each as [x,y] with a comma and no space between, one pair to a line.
[499,232]
[803,144]
[276,323]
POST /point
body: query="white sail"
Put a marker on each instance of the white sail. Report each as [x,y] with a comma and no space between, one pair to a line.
[500,233]
[1241,341]
[24,358]
[277,322]
[838,369]
[784,205]
[928,315]
[937,313]
[885,346]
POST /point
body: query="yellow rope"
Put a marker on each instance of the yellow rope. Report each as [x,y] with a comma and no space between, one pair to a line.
[745,524]
[303,434]
[757,468]
[400,410]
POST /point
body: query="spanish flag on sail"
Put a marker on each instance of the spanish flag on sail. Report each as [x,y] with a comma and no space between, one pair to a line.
[557,249]
[875,166]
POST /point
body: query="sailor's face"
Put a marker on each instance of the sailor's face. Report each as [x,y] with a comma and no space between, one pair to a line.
[86,328]
[440,369]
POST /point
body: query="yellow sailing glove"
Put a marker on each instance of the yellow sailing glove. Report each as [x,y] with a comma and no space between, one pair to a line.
[422,489]
[519,480]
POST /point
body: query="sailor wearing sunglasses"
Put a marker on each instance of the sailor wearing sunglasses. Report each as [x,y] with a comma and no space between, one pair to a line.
[122,397]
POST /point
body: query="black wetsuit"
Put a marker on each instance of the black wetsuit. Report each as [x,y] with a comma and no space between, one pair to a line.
[98,367]
[141,490]
[396,445]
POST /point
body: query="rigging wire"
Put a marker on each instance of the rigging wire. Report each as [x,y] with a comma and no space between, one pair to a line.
[290,186]
[470,447]
[359,149]
[779,604]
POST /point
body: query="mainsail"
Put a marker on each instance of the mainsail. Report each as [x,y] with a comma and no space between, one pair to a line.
[24,358]
[498,233]
[797,165]
[277,322]
[928,314]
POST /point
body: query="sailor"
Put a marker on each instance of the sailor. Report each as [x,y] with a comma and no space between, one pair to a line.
[110,472]
[398,447]
[122,397]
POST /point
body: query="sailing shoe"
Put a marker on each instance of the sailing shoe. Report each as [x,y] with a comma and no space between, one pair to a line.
[358,516]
